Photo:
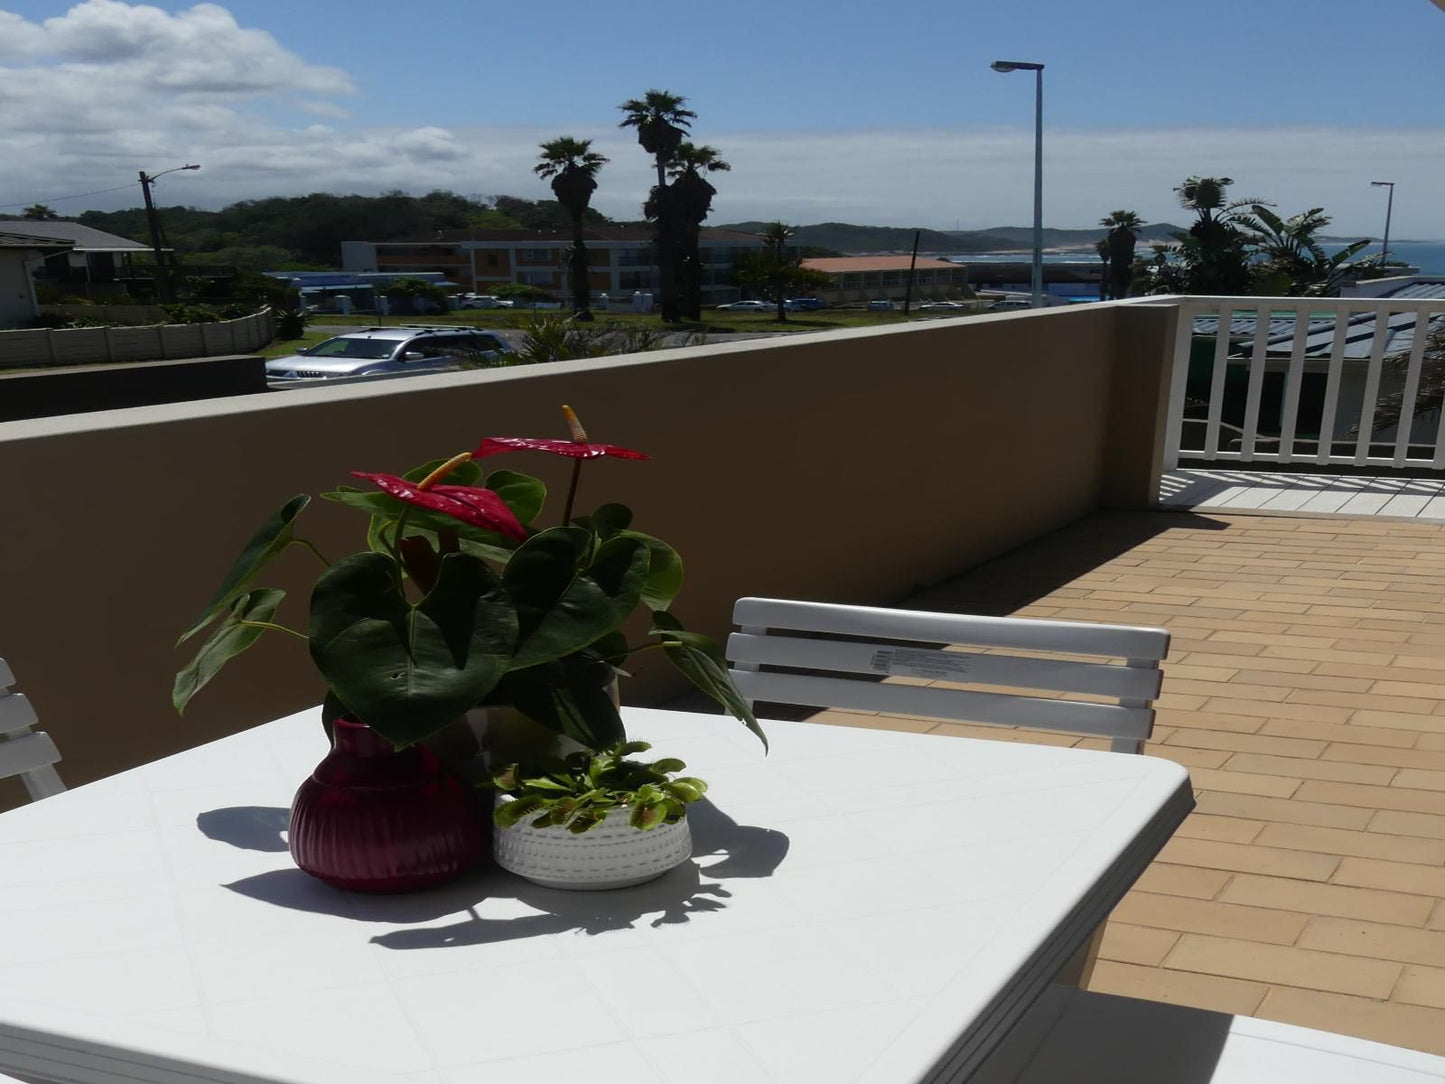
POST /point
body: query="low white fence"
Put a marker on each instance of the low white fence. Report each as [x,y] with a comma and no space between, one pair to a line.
[153,342]
[1329,381]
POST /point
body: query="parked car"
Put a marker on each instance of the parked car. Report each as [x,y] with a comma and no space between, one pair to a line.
[881,304]
[803,304]
[748,306]
[1010,303]
[386,351]
[484,301]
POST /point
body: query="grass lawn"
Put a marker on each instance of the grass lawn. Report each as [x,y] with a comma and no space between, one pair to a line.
[279,348]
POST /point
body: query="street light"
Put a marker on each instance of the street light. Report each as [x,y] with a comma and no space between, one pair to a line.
[1038,70]
[1389,206]
[163,284]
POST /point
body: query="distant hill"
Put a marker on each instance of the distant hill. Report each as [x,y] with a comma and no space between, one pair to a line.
[1023,236]
[845,237]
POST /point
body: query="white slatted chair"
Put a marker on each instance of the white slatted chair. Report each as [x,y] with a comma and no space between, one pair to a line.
[23,752]
[1071,1036]
[871,643]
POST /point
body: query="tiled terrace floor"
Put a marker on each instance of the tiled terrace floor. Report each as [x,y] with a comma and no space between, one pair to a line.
[1305,691]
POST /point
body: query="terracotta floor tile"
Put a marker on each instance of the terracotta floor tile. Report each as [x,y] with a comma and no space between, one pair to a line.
[1395,848]
[1225,829]
[1288,811]
[1429,825]
[1210,916]
[1421,986]
[1433,760]
[1359,794]
[1280,965]
[1419,779]
[1409,1026]
[1391,876]
[1375,940]
[1305,768]
[1136,944]
[1267,786]
[1189,881]
[1190,758]
[1178,987]
[1274,747]
[1270,710]
[1248,858]
[1328,899]
[1341,732]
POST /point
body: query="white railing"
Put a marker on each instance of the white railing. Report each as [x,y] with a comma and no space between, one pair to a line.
[1326,381]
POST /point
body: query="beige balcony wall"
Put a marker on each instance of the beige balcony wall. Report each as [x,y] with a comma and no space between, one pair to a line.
[848,466]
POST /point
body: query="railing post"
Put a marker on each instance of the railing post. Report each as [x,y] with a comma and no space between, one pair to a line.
[1178,379]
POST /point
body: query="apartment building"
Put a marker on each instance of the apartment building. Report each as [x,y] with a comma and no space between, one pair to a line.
[620,259]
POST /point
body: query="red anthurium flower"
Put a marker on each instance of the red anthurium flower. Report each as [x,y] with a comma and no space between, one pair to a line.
[576,448]
[470,504]
[570,448]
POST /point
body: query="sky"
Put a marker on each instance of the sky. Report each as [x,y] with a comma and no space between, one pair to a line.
[827,111]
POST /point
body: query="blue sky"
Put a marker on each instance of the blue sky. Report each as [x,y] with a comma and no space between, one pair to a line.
[844,110]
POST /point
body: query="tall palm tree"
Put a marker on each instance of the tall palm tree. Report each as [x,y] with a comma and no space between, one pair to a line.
[775,238]
[1101,246]
[1213,250]
[1123,227]
[661,122]
[1290,258]
[572,165]
[693,201]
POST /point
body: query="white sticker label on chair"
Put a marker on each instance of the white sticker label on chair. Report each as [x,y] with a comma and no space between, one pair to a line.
[920,663]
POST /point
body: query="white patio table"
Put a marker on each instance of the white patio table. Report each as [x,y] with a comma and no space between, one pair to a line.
[862,906]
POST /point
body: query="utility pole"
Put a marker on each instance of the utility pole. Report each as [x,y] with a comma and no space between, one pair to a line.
[913,263]
[153,220]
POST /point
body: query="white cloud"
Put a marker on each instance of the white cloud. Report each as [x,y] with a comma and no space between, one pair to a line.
[91,96]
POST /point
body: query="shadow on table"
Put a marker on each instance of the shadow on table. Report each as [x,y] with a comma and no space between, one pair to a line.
[740,851]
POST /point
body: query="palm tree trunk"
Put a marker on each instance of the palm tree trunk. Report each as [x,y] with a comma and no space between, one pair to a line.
[667,246]
[581,295]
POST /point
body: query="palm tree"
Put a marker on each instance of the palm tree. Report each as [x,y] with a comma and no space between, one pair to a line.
[693,199]
[1213,250]
[775,238]
[1101,246]
[573,166]
[39,212]
[1123,227]
[661,122]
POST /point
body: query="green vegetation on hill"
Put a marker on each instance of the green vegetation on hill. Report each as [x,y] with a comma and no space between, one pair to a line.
[301,232]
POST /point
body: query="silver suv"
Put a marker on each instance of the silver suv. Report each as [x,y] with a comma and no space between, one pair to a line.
[387,351]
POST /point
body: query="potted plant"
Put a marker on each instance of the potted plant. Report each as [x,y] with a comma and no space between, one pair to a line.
[593,819]
[459,600]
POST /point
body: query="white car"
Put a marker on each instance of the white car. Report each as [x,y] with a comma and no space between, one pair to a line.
[386,351]
[748,306]
[484,301]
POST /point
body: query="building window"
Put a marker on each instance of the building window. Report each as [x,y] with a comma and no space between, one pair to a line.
[492,260]
[535,255]
[535,278]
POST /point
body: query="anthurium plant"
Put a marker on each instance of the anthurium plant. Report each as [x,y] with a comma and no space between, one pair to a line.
[461,599]
[577,792]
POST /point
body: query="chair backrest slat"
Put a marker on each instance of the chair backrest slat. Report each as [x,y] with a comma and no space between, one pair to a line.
[23,752]
[1022,633]
[1003,709]
[854,657]
[15,713]
[774,646]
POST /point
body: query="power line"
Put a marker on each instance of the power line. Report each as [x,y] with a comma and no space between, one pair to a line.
[59,199]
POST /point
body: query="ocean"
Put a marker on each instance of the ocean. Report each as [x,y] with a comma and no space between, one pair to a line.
[1428,256]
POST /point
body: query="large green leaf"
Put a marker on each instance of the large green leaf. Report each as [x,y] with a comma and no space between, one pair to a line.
[572,696]
[522,493]
[406,671]
[229,640]
[273,536]
[562,607]
[664,571]
[702,662]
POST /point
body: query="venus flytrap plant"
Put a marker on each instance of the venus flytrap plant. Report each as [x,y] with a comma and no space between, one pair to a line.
[460,600]
[579,791]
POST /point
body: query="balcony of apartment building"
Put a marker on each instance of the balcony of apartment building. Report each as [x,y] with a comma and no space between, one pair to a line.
[1209,465]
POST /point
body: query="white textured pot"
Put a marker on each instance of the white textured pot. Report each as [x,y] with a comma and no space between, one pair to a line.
[612,855]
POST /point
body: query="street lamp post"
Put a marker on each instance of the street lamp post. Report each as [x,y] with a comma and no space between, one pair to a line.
[1038,70]
[163,282]
[1389,206]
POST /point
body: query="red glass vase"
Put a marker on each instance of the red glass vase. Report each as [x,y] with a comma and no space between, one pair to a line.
[374,818]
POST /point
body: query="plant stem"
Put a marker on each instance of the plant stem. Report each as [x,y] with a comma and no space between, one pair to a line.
[572,491]
[271,625]
[319,555]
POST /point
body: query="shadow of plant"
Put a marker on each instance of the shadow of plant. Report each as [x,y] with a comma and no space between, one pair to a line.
[722,850]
